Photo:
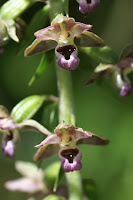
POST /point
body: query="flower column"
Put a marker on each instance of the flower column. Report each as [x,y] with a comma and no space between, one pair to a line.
[66,107]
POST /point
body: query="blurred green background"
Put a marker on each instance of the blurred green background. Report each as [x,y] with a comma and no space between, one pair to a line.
[98,109]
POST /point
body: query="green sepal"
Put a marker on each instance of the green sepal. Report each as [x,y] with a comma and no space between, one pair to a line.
[27,108]
[53,197]
[90,189]
[127,52]
[46,58]
[50,116]
[51,172]
[104,55]
[39,20]
[58,179]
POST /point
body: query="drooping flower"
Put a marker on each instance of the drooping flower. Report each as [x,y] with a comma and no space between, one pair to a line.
[32,180]
[64,35]
[87,6]
[10,130]
[64,141]
[118,72]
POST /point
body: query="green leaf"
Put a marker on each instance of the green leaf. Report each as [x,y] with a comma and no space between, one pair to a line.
[104,55]
[58,179]
[27,108]
[46,58]
[90,189]
[50,116]
[38,21]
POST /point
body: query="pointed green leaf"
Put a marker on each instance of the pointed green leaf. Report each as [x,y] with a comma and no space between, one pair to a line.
[46,58]
[58,179]
[104,55]
[27,108]
[90,189]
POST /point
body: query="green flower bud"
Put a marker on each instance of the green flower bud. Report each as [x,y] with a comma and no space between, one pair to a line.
[27,108]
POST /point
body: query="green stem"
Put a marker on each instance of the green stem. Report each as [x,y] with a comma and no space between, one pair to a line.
[64,82]
[66,112]
[66,7]
[74,185]
[13,8]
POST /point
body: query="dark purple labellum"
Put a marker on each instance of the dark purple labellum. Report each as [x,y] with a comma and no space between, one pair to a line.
[66,51]
[70,154]
[89,1]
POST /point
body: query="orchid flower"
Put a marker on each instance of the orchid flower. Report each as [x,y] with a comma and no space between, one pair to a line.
[32,180]
[10,130]
[119,72]
[64,141]
[87,6]
[64,35]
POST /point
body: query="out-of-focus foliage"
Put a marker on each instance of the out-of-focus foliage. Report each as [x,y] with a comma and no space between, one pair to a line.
[98,109]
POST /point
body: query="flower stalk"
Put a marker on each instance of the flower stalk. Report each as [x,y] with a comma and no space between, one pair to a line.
[66,112]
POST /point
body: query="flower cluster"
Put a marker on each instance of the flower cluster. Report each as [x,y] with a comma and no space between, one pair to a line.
[119,72]
[10,130]
[64,35]
[64,141]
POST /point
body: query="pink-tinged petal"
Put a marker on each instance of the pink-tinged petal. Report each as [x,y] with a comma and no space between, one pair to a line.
[49,33]
[94,140]
[88,39]
[70,159]
[24,185]
[46,151]
[39,46]
[8,123]
[80,134]
[51,139]
[77,28]
[29,170]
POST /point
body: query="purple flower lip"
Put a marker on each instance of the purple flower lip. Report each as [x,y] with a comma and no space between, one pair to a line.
[126,90]
[67,57]
[71,159]
[87,6]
